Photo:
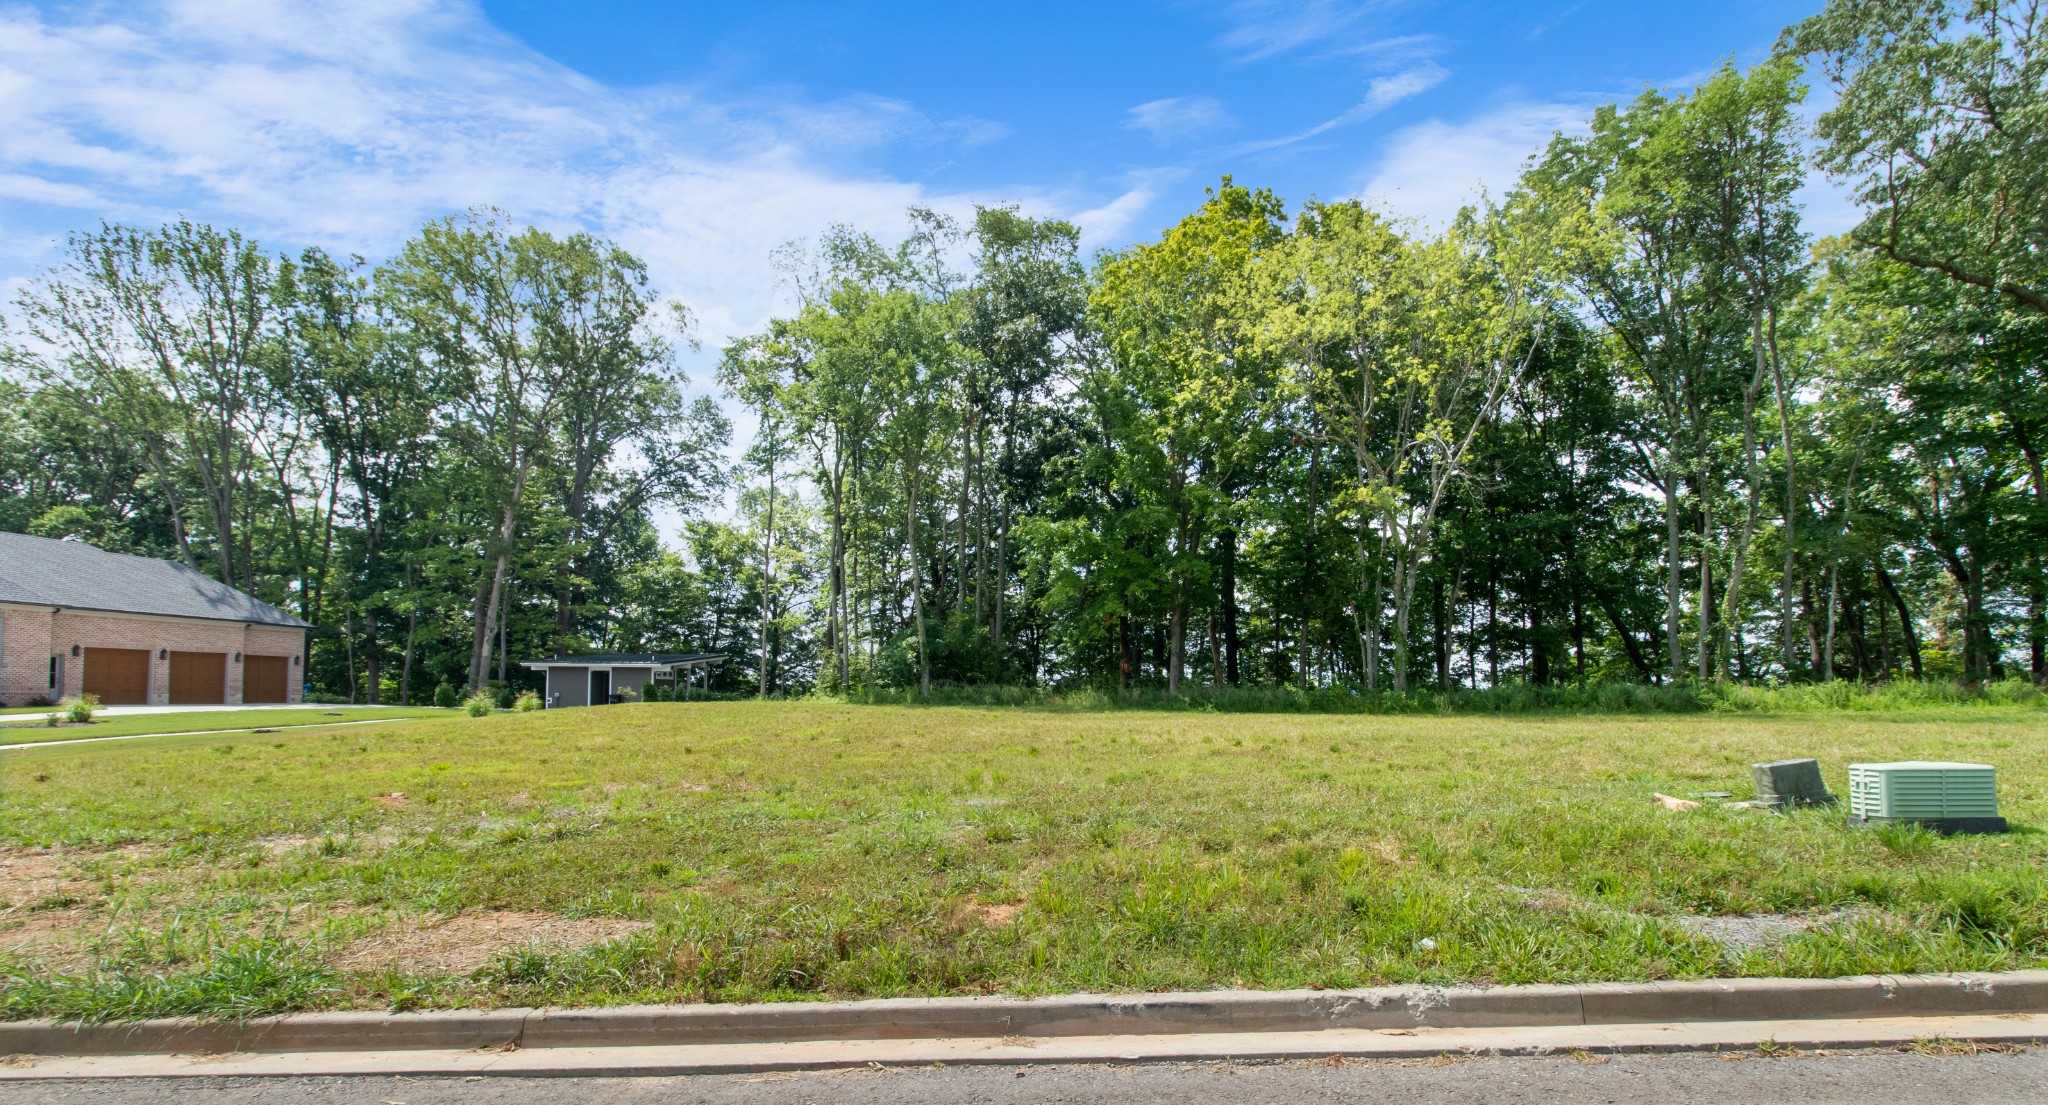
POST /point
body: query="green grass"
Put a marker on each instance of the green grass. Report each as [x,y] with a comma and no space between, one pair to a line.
[22,732]
[803,850]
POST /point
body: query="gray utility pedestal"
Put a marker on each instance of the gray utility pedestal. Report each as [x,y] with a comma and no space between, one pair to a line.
[1783,784]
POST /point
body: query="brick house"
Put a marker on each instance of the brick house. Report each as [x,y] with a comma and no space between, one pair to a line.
[79,620]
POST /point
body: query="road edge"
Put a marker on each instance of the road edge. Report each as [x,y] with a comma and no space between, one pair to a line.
[1391,1008]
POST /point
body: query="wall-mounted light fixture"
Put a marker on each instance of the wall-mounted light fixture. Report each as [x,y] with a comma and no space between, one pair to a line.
[295,661]
[238,657]
[163,654]
[74,650]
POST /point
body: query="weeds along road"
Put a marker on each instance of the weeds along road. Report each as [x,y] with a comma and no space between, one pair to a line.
[1854,1078]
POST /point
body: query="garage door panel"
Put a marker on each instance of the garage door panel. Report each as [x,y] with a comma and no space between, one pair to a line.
[199,678]
[263,678]
[118,676]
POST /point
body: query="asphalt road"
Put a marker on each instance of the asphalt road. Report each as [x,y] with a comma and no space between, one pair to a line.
[1855,1078]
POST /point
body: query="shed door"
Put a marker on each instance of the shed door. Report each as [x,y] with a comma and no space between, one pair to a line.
[600,688]
[119,676]
[263,678]
[199,678]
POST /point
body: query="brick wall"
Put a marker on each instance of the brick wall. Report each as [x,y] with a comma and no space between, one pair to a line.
[24,653]
[32,636]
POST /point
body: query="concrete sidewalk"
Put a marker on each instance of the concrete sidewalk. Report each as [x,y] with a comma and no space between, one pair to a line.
[138,711]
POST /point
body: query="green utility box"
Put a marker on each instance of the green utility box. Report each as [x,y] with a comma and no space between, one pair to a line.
[1945,797]
[1784,784]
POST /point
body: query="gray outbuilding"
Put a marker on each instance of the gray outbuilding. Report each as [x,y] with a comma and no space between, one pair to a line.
[606,677]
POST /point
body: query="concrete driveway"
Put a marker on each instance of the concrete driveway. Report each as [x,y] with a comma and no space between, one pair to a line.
[136,711]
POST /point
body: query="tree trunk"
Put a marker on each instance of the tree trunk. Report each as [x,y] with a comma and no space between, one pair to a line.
[412,628]
[1786,617]
[924,656]
[2037,626]
[372,658]
[1492,622]
[1827,671]
[480,663]
[1126,653]
[1628,640]
[1705,652]
[1671,568]
[1442,620]
[1228,595]
[763,677]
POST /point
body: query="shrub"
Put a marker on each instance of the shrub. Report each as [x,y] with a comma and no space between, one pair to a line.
[78,711]
[326,698]
[39,700]
[50,721]
[527,702]
[447,697]
[480,704]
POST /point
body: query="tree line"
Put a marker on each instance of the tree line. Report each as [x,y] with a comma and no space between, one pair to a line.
[1625,421]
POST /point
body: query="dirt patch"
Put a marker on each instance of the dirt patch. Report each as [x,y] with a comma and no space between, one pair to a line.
[276,846]
[51,878]
[970,913]
[1743,932]
[392,801]
[50,904]
[35,880]
[467,941]
[1388,849]
[56,939]
[996,916]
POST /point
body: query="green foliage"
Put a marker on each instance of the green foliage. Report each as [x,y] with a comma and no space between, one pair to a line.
[480,704]
[447,696]
[527,702]
[79,711]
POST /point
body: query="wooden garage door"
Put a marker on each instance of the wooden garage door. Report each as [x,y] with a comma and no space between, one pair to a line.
[263,678]
[199,678]
[119,676]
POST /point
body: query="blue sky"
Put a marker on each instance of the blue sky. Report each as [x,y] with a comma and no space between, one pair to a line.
[1156,99]
[704,135]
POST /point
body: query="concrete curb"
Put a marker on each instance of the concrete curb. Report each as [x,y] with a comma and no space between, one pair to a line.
[1944,1035]
[1211,1012]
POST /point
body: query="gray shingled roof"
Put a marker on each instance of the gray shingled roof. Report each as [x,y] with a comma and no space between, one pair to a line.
[624,659]
[43,572]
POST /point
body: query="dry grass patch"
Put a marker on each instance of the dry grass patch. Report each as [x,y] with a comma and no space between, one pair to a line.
[467,942]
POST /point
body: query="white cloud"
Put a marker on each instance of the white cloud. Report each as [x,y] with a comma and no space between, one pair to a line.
[1172,120]
[1112,221]
[348,124]
[1431,169]
[1381,94]
[1266,28]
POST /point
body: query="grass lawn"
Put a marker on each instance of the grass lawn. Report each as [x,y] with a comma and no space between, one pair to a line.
[732,851]
[25,730]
